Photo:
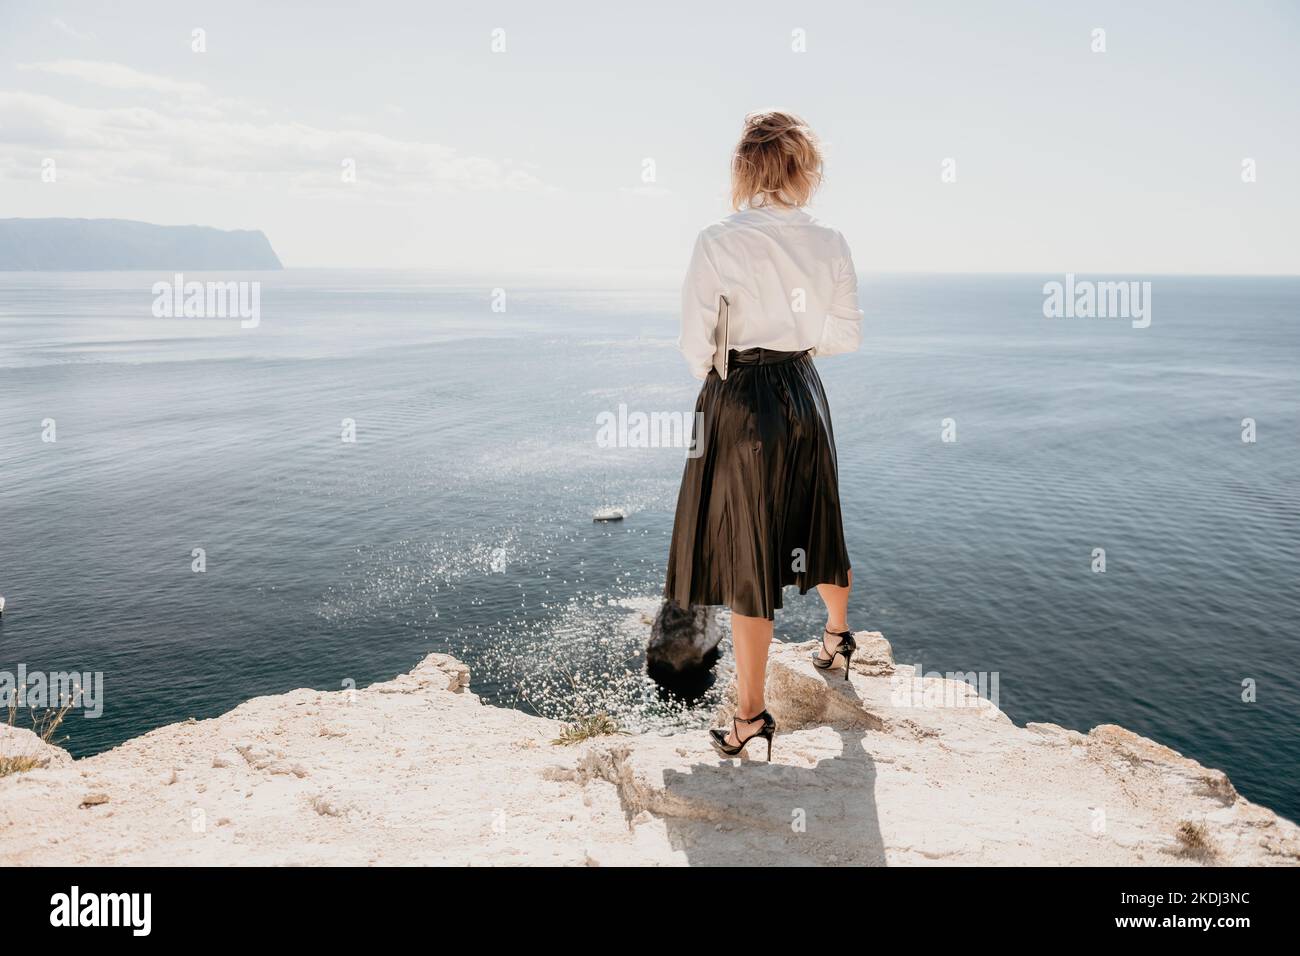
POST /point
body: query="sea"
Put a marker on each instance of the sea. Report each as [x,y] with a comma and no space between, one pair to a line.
[202,510]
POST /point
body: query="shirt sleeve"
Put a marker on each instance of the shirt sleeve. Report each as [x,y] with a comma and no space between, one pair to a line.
[700,294]
[842,330]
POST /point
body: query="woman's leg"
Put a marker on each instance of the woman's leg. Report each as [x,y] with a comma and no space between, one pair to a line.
[836,600]
[752,638]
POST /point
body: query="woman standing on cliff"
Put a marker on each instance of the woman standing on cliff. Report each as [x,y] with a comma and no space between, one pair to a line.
[759,507]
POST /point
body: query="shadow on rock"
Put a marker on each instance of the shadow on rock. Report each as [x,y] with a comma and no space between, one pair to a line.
[751,812]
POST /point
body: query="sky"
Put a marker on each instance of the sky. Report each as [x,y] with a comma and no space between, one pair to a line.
[599,138]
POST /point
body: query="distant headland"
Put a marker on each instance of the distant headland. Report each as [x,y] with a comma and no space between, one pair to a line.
[77,245]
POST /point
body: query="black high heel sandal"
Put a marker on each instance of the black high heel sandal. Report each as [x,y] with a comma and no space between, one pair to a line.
[845,649]
[719,737]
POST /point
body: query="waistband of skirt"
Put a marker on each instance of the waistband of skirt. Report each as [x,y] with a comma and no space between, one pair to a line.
[762,357]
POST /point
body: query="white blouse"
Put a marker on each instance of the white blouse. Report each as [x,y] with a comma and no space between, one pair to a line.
[789,280]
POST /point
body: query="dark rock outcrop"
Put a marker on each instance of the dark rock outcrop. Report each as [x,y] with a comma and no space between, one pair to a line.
[683,647]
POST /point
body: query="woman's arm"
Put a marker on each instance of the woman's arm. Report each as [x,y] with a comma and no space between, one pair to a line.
[842,330]
[700,293]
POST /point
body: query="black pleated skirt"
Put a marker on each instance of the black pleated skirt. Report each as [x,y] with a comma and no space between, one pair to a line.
[759,506]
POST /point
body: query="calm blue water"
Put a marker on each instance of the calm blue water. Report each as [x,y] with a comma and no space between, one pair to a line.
[459,521]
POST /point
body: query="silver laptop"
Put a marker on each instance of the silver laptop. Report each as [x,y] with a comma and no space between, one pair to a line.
[722,338]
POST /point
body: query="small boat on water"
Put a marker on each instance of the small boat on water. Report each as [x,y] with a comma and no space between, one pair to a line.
[2,605]
[607,512]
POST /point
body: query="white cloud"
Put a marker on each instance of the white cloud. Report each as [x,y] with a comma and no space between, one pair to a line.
[116,76]
[69,30]
[141,145]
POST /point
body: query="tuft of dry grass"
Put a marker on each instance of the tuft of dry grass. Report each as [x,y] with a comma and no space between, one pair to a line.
[585,728]
[44,725]
[1194,840]
[580,726]
[12,765]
